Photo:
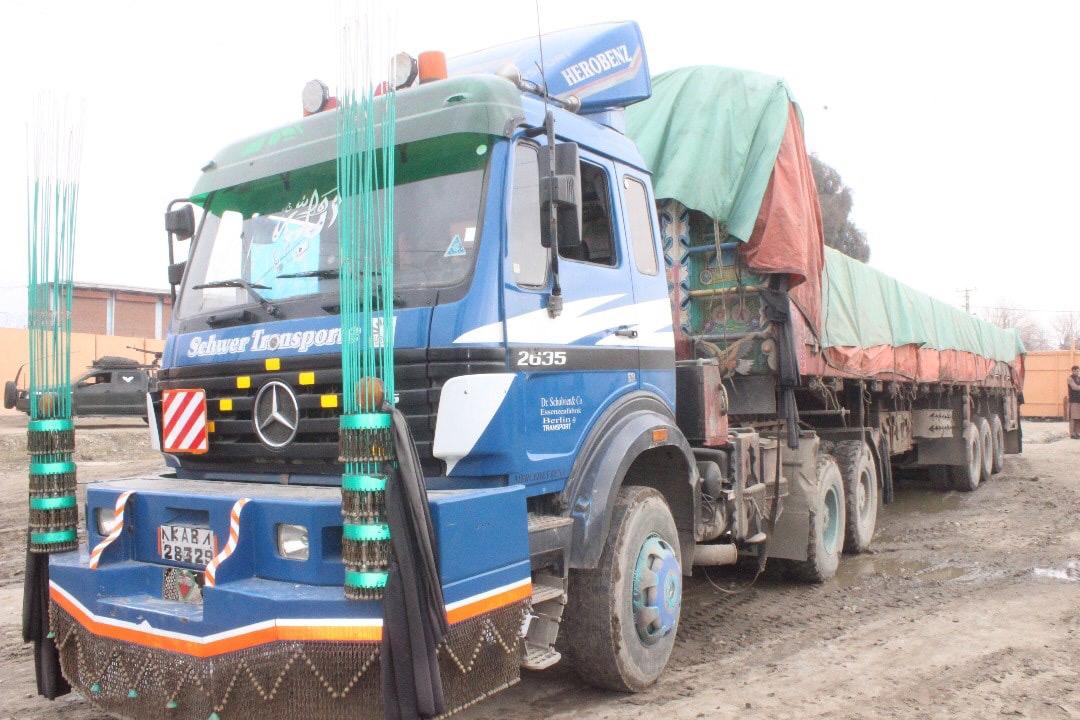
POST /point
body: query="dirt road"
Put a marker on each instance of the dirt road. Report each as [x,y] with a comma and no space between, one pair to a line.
[947,618]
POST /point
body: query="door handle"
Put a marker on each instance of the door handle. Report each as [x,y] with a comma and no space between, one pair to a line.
[628,331]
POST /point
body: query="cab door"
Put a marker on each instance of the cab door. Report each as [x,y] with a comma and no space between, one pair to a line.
[570,367]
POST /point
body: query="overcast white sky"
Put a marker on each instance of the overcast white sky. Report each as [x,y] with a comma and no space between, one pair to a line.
[955,122]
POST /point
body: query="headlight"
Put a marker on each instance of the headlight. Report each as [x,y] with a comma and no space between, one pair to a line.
[105,517]
[292,541]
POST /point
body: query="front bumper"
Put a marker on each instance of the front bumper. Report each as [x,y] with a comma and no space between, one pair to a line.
[262,643]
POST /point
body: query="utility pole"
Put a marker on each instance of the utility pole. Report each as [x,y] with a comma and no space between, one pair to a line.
[966,292]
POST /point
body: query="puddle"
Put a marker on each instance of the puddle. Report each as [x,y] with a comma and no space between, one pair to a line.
[1071,572]
[861,568]
[925,500]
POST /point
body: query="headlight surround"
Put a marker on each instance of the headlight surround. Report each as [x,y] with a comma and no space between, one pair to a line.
[293,542]
[104,517]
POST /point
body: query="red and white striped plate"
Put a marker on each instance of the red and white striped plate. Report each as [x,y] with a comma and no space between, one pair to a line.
[183,421]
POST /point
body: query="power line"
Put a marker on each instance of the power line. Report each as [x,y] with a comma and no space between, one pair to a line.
[1029,310]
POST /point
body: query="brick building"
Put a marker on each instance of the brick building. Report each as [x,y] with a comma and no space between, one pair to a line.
[120,310]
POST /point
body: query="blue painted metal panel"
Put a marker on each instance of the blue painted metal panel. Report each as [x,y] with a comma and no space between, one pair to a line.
[603,65]
[482,538]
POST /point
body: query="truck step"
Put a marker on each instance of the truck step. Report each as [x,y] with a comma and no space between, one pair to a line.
[544,593]
[549,538]
[538,657]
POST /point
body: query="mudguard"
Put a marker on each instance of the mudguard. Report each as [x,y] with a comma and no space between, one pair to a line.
[618,438]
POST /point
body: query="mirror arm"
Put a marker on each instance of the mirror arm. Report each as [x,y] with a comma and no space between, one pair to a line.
[169,240]
[555,300]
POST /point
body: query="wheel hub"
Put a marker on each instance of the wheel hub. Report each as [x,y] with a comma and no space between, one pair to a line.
[832,520]
[657,592]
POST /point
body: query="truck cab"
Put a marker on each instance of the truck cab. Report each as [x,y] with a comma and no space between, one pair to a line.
[543,412]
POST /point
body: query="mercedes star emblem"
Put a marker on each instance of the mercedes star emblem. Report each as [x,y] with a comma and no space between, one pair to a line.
[276,414]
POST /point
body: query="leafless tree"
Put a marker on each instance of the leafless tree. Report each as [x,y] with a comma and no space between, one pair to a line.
[1066,328]
[1032,333]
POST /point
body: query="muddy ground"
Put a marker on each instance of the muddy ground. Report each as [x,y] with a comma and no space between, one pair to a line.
[947,618]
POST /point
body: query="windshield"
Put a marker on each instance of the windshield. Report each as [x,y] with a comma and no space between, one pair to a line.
[268,242]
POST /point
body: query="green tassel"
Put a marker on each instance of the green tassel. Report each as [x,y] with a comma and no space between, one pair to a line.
[132,694]
[172,705]
[214,716]
[95,689]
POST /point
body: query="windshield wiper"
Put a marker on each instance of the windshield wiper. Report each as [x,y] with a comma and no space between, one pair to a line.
[251,288]
[326,274]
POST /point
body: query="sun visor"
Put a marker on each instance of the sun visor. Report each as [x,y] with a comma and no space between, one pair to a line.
[604,65]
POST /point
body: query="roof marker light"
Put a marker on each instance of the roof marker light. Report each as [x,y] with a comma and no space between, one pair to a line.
[432,66]
[403,70]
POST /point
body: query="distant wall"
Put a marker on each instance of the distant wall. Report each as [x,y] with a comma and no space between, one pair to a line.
[85,348]
[1044,382]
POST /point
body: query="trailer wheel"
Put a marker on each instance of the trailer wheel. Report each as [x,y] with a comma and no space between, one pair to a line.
[986,446]
[965,478]
[861,493]
[827,522]
[620,621]
[997,430]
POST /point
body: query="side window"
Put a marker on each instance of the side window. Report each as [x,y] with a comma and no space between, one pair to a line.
[597,243]
[640,226]
[528,258]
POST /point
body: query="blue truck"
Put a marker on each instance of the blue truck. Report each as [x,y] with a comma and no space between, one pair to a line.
[582,453]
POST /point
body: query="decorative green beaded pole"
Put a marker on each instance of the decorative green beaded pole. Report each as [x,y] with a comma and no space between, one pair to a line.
[365,173]
[54,143]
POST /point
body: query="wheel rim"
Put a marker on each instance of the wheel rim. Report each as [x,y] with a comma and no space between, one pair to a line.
[863,494]
[657,592]
[832,519]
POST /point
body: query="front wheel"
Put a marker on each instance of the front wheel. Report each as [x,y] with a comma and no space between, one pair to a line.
[620,621]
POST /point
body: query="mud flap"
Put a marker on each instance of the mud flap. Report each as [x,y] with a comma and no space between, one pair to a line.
[789,538]
[35,628]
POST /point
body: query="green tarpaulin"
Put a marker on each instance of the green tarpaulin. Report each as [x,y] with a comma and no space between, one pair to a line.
[862,307]
[717,123]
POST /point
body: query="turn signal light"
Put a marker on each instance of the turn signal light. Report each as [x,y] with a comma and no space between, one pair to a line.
[659,435]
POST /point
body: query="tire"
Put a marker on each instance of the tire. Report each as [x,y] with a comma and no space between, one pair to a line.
[965,478]
[827,522]
[997,431]
[600,626]
[11,394]
[861,493]
[986,447]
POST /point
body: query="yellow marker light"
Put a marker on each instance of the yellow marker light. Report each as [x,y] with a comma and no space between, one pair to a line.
[243,382]
[306,378]
[328,401]
[225,404]
[273,364]
[211,426]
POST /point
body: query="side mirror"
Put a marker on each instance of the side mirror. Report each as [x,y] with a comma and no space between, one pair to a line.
[176,272]
[564,191]
[180,223]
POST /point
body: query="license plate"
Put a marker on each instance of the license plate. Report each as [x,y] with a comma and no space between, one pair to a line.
[186,544]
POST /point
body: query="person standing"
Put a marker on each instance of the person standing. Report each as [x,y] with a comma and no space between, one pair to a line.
[1074,403]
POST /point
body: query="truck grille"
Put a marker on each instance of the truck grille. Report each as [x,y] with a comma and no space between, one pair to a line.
[235,448]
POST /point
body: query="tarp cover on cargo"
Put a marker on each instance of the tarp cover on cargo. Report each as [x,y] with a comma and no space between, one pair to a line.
[717,123]
[864,308]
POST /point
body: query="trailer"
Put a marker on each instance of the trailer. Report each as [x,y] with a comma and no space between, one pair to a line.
[670,373]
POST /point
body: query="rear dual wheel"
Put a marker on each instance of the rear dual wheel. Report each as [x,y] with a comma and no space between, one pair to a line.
[859,472]
[828,519]
[966,477]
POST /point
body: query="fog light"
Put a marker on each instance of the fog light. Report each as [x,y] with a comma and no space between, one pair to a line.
[292,541]
[105,517]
